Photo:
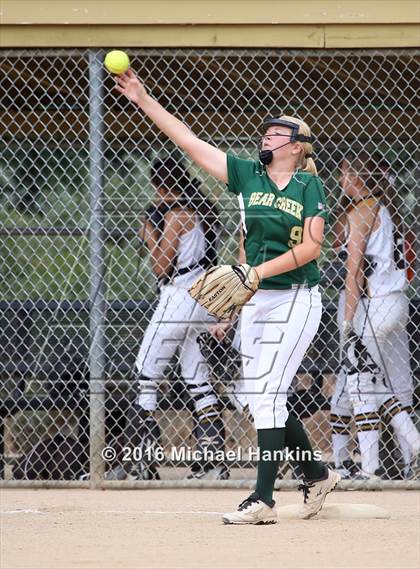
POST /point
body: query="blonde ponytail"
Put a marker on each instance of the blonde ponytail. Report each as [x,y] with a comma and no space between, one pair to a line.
[305,161]
[309,165]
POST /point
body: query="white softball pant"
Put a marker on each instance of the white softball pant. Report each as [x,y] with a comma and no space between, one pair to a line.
[176,323]
[277,328]
[381,323]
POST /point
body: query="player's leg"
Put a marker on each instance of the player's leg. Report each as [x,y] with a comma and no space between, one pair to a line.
[255,509]
[397,354]
[276,345]
[318,479]
[160,341]
[162,336]
[297,442]
[207,414]
[400,377]
[362,391]
[387,318]
[283,346]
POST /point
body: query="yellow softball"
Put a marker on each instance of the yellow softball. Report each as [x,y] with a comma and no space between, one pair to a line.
[117,61]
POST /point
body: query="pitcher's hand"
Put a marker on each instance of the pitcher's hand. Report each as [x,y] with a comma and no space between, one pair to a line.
[129,84]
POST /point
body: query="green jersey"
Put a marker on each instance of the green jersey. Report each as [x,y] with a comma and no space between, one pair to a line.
[273,219]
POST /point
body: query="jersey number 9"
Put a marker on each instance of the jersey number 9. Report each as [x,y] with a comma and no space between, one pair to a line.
[295,236]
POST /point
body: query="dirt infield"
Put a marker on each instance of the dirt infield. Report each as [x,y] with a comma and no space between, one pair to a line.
[182,528]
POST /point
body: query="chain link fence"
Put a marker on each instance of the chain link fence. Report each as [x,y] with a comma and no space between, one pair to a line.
[79,295]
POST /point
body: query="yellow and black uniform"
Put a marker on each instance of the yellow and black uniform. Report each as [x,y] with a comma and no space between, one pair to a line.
[273,219]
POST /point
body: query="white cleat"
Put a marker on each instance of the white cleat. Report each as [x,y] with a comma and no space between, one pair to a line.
[315,492]
[253,511]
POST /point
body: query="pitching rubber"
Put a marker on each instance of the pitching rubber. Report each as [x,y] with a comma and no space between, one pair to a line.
[337,511]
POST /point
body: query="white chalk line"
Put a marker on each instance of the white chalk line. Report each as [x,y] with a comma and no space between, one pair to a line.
[12,512]
[200,513]
[124,512]
[159,512]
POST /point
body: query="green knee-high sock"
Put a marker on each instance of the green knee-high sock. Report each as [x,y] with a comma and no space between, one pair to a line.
[268,440]
[296,438]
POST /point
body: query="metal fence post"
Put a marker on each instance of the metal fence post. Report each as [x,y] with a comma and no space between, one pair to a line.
[97,269]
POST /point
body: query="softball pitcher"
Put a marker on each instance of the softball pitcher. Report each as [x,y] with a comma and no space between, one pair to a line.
[376,381]
[283,212]
[181,232]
